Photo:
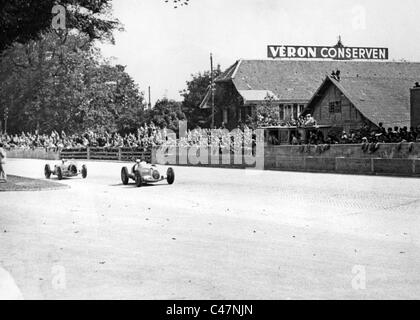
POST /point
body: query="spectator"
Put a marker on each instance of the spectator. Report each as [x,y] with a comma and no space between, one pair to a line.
[295,140]
[3,176]
[381,128]
[310,121]
[344,138]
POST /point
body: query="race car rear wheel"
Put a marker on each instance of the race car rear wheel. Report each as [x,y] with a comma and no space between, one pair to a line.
[139,180]
[84,172]
[124,176]
[47,171]
[73,170]
[170,176]
[59,173]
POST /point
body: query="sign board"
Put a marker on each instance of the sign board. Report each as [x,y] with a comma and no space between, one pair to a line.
[317,52]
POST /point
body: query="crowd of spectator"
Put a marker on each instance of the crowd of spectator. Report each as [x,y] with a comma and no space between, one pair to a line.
[146,136]
[151,136]
[377,135]
[300,122]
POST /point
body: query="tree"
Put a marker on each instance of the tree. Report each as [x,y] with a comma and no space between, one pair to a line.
[166,114]
[48,85]
[25,20]
[265,115]
[196,91]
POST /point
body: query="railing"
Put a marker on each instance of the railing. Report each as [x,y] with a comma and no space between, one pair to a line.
[116,154]
[81,153]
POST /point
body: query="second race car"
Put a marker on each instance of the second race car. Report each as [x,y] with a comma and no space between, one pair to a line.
[67,168]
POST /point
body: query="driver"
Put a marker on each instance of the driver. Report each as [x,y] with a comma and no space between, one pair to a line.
[140,163]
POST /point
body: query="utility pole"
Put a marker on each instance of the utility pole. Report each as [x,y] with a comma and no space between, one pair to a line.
[212,91]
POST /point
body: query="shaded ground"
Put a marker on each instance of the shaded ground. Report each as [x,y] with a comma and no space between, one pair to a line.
[16,183]
[214,234]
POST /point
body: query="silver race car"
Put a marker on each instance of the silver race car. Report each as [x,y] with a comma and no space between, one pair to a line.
[67,168]
[144,173]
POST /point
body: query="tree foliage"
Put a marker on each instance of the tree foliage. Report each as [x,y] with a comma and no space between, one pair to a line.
[265,115]
[25,20]
[166,114]
[194,94]
[49,85]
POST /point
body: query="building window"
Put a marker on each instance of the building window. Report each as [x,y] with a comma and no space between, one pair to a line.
[301,107]
[281,112]
[288,112]
[338,107]
[335,107]
[295,111]
[331,107]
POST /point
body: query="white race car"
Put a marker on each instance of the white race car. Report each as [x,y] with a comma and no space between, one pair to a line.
[67,168]
[143,173]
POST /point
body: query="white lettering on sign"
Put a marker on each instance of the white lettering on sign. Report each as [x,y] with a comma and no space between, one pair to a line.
[335,53]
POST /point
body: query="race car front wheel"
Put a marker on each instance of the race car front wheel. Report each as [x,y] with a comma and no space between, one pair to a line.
[84,172]
[170,176]
[59,173]
[124,176]
[139,181]
[47,171]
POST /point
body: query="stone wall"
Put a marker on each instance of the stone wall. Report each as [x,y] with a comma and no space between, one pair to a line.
[389,159]
[39,153]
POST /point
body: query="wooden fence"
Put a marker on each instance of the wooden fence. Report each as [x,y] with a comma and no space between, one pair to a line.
[116,154]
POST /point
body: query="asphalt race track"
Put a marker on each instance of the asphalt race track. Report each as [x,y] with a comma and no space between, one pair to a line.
[214,234]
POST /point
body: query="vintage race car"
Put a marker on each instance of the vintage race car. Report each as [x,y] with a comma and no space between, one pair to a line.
[144,173]
[67,168]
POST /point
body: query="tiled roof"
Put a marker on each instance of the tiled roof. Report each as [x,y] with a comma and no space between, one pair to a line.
[384,100]
[293,80]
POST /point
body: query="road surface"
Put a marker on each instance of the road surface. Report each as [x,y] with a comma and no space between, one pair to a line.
[214,234]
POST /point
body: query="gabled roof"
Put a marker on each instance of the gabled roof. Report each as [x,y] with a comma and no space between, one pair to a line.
[297,80]
[385,100]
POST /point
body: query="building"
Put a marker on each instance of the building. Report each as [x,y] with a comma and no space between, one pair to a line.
[347,103]
[292,84]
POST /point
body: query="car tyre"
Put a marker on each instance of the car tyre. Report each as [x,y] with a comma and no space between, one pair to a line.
[47,171]
[124,176]
[170,176]
[139,180]
[84,172]
[59,173]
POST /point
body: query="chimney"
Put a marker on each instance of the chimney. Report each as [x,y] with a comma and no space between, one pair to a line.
[337,75]
[415,106]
